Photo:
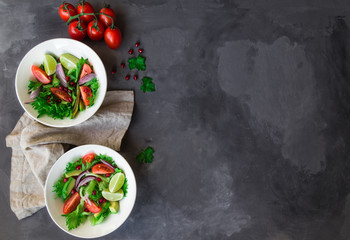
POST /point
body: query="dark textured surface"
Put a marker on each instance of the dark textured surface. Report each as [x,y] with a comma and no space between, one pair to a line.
[250,120]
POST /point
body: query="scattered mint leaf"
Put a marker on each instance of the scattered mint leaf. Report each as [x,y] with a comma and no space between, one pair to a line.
[146,155]
[139,63]
[147,85]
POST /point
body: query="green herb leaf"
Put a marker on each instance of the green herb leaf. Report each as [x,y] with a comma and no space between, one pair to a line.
[32,86]
[125,187]
[139,63]
[75,218]
[146,155]
[58,187]
[73,165]
[147,85]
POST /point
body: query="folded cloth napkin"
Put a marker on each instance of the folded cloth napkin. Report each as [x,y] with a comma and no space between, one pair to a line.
[36,147]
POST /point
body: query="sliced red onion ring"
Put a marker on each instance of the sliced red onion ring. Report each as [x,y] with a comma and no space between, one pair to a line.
[107,163]
[60,75]
[35,93]
[79,177]
[84,181]
[28,102]
[87,78]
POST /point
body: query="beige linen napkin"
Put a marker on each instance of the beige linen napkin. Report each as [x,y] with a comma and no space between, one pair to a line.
[36,147]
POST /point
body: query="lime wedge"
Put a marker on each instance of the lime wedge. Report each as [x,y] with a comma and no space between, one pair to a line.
[113,196]
[114,206]
[69,61]
[49,64]
[116,182]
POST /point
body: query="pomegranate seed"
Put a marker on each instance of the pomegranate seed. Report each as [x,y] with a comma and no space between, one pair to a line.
[65,180]
[100,200]
[86,210]
[108,175]
[104,200]
[65,89]
[114,71]
[73,191]
[67,78]
[75,84]
[50,77]
[93,192]
[127,77]
[131,51]
[98,179]
[122,65]
[78,167]
[135,77]
[61,88]
[48,97]
[140,50]
[70,91]
[137,44]
[71,83]
[59,100]
[70,99]
[48,101]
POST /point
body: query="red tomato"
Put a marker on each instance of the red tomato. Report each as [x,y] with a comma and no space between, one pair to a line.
[88,158]
[85,71]
[66,11]
[40,75]
[61,94]
[86,94]
[96,30]
[71,203]
[102,168]
[105,19]
[77,31]
[85,7]
[92,207]
[113,37]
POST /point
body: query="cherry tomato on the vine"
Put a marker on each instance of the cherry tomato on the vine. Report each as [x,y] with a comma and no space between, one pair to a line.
[113,37]
[66,10]
[96,30]
[107,21]
[77,31]
[85,7]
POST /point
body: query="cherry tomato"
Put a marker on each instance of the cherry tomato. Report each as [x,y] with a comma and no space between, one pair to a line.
[107,21]
[61,94]
[40,75]
[85,7]
[77,31]
[92,207]
[71,203]
[88,158]
[86,94]
[96,30]
[66,10]
[102,168]
[85,71]
[113,37]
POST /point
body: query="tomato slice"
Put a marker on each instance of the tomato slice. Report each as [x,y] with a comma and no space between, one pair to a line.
[85,70]
[61,94]
[102,169]
[86,94]
[40,75]
[92,207]
[71,203]
[88,158]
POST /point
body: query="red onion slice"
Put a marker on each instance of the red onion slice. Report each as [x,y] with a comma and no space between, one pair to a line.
[35,93]
[60,75]
[107,163]
[84,181]
[87,78]
[79,177]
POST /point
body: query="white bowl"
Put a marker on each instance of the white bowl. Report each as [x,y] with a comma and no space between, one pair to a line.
[55,206]
[36,57]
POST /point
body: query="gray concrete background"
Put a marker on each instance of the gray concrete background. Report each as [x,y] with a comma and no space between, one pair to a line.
[250,118]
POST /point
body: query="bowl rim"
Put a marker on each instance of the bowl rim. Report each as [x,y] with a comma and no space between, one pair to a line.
[91,146]
[102,92]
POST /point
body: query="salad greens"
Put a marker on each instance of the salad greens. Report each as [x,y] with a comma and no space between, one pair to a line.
[91,188]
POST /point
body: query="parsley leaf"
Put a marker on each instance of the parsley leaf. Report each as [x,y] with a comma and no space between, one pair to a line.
[147,85]
[32,86]
[73,165]
[139,63]
[146,155]
[125,187]
[76,217]
[58,187]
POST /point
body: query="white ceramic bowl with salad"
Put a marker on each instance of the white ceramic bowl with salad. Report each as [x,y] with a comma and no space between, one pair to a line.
[56,87]
[91,225]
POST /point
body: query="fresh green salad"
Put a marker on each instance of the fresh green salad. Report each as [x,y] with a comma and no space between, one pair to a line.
[91,188]
[63,86]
